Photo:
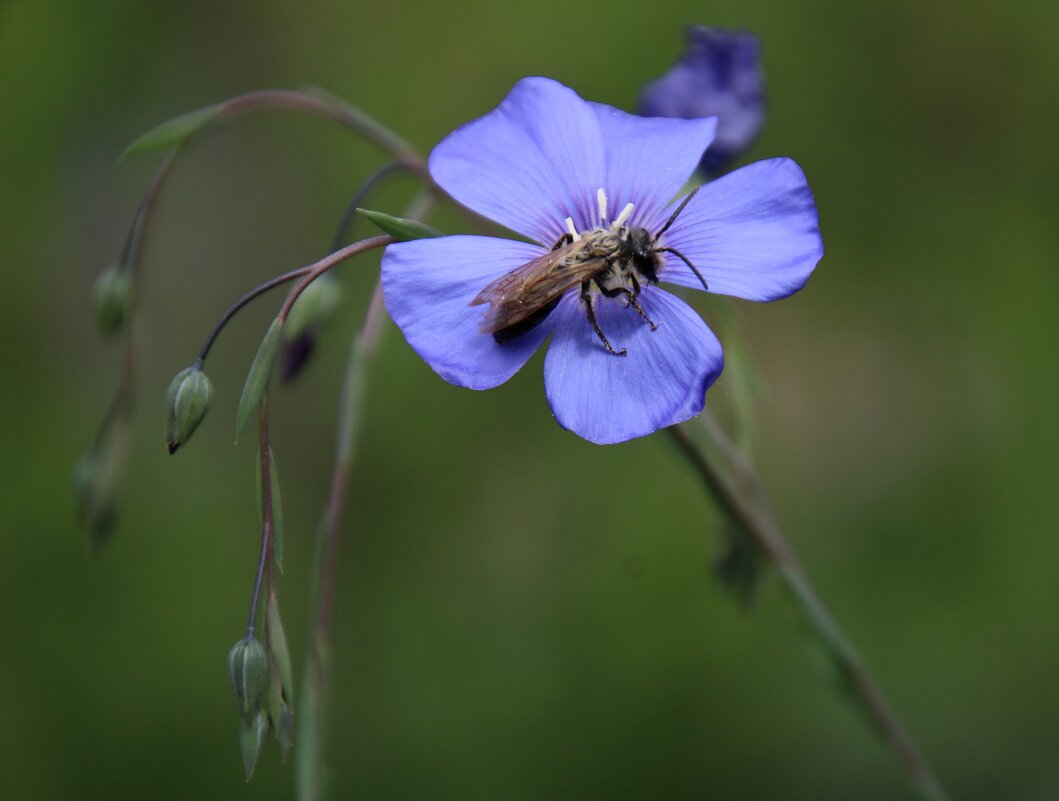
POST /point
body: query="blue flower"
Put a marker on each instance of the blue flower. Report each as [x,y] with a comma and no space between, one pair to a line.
[553,168]
[720,76]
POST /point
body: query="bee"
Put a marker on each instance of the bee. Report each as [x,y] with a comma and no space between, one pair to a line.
[615,262]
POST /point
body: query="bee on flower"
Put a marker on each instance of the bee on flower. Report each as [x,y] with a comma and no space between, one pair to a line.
[595,191]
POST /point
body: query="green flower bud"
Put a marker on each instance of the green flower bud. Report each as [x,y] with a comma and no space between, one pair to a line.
[112,295]
[314,308]
[248,670]
[95,508]
[252,734]
[186,402]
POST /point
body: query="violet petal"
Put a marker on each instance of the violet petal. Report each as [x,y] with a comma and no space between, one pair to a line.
[529,164]
[753,233]
[428,284]
[648,159]
[660,381]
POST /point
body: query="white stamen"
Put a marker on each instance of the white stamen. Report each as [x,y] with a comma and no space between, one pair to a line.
[601,198]
[573,231]
[625,214]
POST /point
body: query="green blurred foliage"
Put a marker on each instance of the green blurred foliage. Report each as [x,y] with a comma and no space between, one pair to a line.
[523,615]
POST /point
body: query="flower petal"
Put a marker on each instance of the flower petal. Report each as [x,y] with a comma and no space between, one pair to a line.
[753,233]
[529,164]
[428,284]
[661,381]
[649,159]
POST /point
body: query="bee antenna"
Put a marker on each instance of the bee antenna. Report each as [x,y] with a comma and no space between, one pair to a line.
[685,259]
[680,208]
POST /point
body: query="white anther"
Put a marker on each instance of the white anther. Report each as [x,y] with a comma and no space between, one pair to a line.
[573,231]
[601,199]
[625,214]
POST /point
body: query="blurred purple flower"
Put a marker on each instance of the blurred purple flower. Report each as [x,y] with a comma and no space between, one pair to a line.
[720,76]
[545,163]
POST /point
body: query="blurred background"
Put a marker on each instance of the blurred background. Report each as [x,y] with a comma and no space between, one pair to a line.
[500,633]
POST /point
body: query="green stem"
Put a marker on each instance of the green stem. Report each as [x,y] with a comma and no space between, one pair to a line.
[316,103]
[329,107]
[330,261]
[121,404]
[745,502]
[313,729]
[265,555]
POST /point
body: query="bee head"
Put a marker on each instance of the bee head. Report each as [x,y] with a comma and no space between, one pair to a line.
[639,244]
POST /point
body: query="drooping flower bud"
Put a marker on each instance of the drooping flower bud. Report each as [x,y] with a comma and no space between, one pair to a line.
[248,670]
[314,307]
[111,296]
[310,314]
[719,75]
[186,402]
[94,504]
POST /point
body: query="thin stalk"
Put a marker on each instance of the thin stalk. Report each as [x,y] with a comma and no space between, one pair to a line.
[232,310]
[350,117]
[332,108]
[315,270]
[311,764]
[750,510]
[265,556]
[120,407]
[308,273]
[357,201]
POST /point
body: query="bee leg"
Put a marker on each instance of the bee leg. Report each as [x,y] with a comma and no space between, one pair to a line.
[565,239]
[587,298]
[639,309]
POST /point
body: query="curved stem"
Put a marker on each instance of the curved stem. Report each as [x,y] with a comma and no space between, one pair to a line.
[754,517]
[316,103]
[314,271]
[308,274]
[363,191]
[328,107]
[232,310]
[121,404]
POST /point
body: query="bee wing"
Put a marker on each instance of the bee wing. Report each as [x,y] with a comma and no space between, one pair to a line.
[529,288]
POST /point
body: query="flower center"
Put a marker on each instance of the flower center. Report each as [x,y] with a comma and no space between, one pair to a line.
[615,227]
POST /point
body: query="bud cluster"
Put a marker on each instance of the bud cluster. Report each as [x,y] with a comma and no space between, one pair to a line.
[248,671]
[261,678]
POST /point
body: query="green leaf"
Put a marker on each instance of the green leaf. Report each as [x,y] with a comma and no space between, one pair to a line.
[277,506]
[257,378]
[282,680]
[277,646]
[399,228]
[172,133]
